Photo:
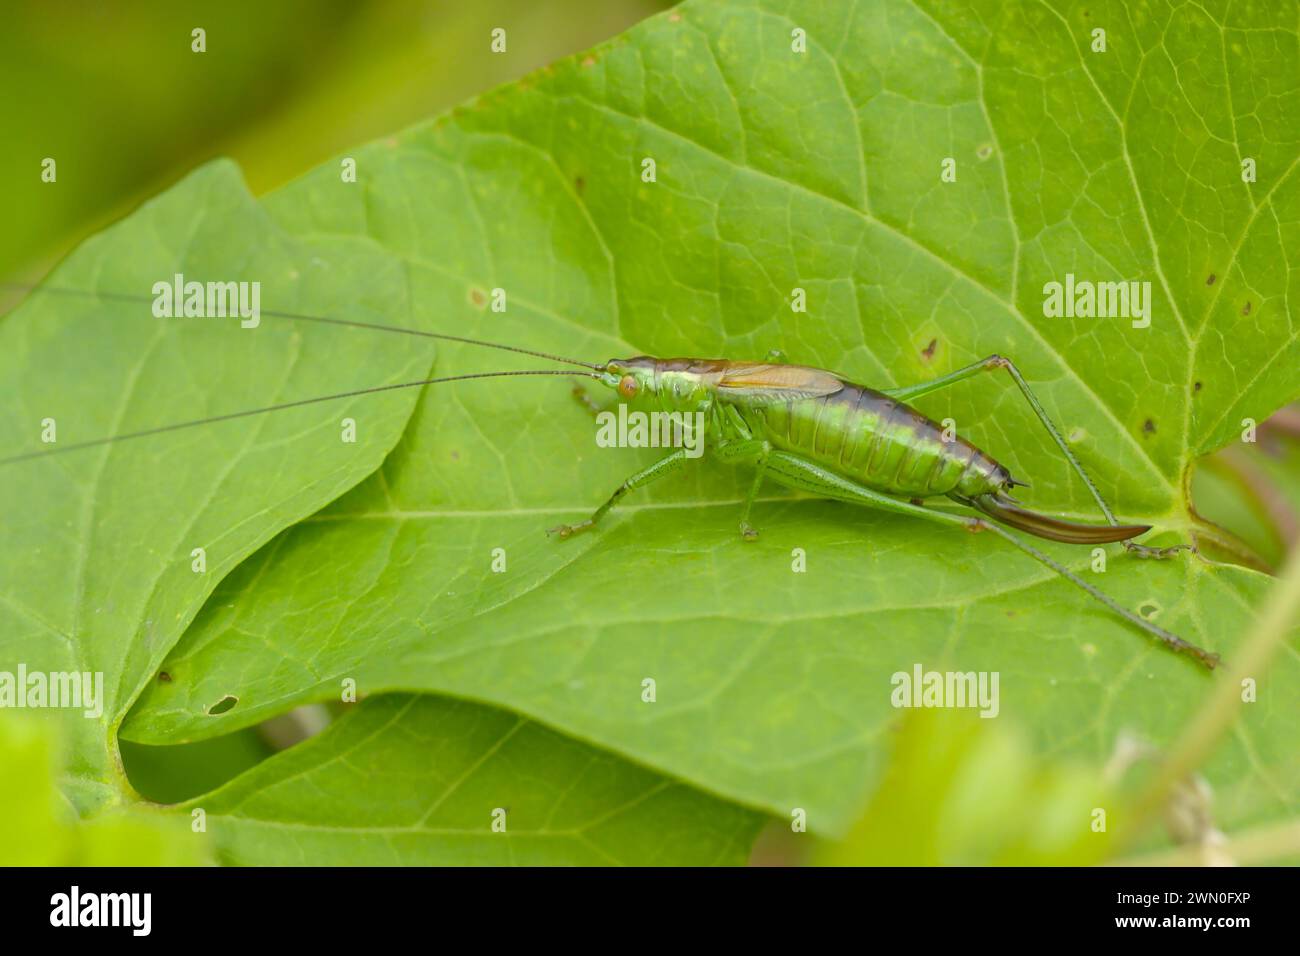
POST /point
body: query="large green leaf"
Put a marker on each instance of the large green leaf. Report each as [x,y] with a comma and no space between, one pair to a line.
[820,170]
[98,572]
[417,779]
[98,569]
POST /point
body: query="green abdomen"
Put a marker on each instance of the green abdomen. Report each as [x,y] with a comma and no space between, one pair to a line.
[881,443]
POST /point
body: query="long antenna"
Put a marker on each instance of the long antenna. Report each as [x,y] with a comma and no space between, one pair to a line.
[300,317]
[176,426]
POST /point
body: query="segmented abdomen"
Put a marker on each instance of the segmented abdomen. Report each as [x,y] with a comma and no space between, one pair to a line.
[878,442]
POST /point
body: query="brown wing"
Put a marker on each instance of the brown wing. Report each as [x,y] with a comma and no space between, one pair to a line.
[761,382]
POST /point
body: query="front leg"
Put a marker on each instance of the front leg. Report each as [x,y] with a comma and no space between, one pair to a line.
[663,466]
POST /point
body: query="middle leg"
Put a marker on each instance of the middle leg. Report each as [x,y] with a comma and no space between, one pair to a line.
[752,450]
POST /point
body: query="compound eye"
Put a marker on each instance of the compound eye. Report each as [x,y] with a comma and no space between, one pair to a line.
[627,386]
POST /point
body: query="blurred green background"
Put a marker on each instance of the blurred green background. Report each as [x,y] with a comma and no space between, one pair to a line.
[113,93]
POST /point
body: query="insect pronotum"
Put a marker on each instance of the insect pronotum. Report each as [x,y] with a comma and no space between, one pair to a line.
[803,427]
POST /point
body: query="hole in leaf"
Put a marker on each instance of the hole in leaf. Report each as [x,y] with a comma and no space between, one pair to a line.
[220,707]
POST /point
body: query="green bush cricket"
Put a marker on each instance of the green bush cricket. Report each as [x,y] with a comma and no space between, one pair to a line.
[803,427]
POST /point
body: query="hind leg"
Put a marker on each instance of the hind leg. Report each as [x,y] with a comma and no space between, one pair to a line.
[796,472]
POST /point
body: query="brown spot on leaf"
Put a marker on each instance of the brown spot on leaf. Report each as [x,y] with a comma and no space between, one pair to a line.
[674,17]
[1210,279]
[164,677]
[1245,309]
[928,351]
[579,185]
[1196,386]
[1148,426]
[477,297]
[588,61]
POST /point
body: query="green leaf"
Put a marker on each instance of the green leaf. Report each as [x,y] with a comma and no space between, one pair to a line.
[423,780]
[99,573]
[98,565]
[778,170]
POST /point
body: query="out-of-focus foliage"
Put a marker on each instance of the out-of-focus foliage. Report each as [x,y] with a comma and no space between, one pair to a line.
[961,790]
[39,828]
[114,94]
